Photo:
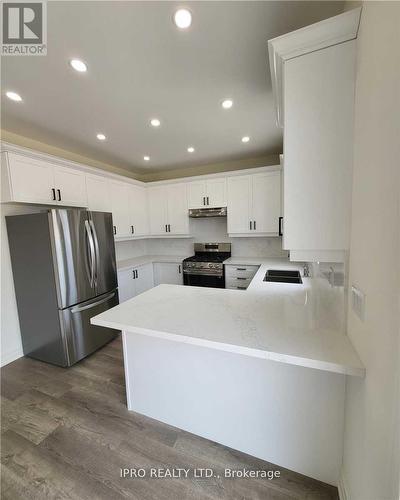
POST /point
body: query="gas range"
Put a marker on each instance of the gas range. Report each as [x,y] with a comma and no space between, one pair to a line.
[205,267]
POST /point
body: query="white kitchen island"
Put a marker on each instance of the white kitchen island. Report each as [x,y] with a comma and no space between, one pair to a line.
[262,371]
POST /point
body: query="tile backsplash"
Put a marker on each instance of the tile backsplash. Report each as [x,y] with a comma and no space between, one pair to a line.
[203,230]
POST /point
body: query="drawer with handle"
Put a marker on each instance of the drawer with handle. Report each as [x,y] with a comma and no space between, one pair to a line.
[240,271]
[238,281]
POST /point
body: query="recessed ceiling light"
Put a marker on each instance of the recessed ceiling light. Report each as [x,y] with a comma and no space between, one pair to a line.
[14,96]
[101,137]
[146,158]
[246,138]
[183,18]
[190,149]
[227,103]
[155,122]
[78,65]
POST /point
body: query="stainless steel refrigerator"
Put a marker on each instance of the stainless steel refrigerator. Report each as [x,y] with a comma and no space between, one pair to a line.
[64,269]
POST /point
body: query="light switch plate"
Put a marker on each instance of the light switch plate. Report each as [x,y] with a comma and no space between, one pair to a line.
[358,302]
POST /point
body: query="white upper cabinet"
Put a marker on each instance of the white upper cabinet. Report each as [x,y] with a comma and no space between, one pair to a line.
[168,209]
[239,204]
[157,199]
[209,193]
[138,210]
[98,194]
[177,209]
[30,180]
[254,204]
[119,193]
[27,180]
[71,187]
[266,202]
[313,79]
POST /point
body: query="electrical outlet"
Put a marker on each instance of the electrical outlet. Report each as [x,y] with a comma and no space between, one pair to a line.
[358,302]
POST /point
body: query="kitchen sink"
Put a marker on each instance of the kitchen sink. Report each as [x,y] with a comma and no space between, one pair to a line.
[283,276]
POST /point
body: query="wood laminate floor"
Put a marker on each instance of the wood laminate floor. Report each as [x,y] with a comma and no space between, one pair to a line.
[66,433]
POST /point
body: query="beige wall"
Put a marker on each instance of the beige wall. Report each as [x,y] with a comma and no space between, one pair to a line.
[371,445]
[151,176]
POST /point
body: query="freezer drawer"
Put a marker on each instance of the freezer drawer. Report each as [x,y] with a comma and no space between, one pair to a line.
[82,338]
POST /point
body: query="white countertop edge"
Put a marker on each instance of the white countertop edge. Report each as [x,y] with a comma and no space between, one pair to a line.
[246,351]
[142,260]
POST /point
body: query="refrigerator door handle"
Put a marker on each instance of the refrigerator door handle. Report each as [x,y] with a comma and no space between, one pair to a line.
[93,304]
[92,254]
[96,250]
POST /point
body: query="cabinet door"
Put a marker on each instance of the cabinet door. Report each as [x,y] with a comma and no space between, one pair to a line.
[216,192]
[239,204]
[266,202]
[98,193]
[168,273]
[144,278]
[178,216]
[32,181]
[120,209]
[71,187]
[157,203]
[126,285]
[138,210]
[196,191]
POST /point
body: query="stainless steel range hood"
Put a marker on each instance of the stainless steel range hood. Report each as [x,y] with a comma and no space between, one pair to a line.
[207,212]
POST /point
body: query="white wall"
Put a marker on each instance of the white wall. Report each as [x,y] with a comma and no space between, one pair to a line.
[11,347]
[371,445]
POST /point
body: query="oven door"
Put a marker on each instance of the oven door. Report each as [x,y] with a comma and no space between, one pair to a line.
[211,281]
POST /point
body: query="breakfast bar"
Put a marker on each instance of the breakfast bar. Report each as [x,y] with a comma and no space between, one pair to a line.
[262,371]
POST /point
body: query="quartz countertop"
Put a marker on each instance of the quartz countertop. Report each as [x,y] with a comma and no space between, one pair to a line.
[288,323]
[149,259]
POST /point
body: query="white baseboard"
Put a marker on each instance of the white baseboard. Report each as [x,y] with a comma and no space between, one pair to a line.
[342,487]
[9,357]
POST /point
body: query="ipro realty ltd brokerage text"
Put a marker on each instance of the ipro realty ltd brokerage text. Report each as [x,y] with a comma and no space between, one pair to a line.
[197,473]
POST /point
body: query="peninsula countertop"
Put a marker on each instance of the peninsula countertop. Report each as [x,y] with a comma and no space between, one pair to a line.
[287,323]
[149,259]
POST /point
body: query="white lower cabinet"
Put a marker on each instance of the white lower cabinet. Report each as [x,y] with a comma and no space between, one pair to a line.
[239,277]
[168,273]
[134,281]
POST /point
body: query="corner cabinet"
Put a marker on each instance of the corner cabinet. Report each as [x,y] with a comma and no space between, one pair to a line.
[254,204]
[313,79]
[29,180]
[168,210]
[168,273]
[209,193]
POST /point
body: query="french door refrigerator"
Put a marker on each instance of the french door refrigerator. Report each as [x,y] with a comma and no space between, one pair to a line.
[64,270]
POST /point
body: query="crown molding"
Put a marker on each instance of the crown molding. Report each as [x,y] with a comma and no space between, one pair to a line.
[332,31]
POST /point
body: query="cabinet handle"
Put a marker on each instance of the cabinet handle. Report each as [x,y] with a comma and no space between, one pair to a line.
[59,194]
[204,200]
[169,228]
[254,225]
[115,229]
[240,269]
[132,230]
[208,200]
[54,194]
[240,278]
[179,268]
[251,225]
[137,274]
[133,274]
[166,228]
[241,287]
[280,226]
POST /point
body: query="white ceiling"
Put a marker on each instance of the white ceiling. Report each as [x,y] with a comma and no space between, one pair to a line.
[141,66]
